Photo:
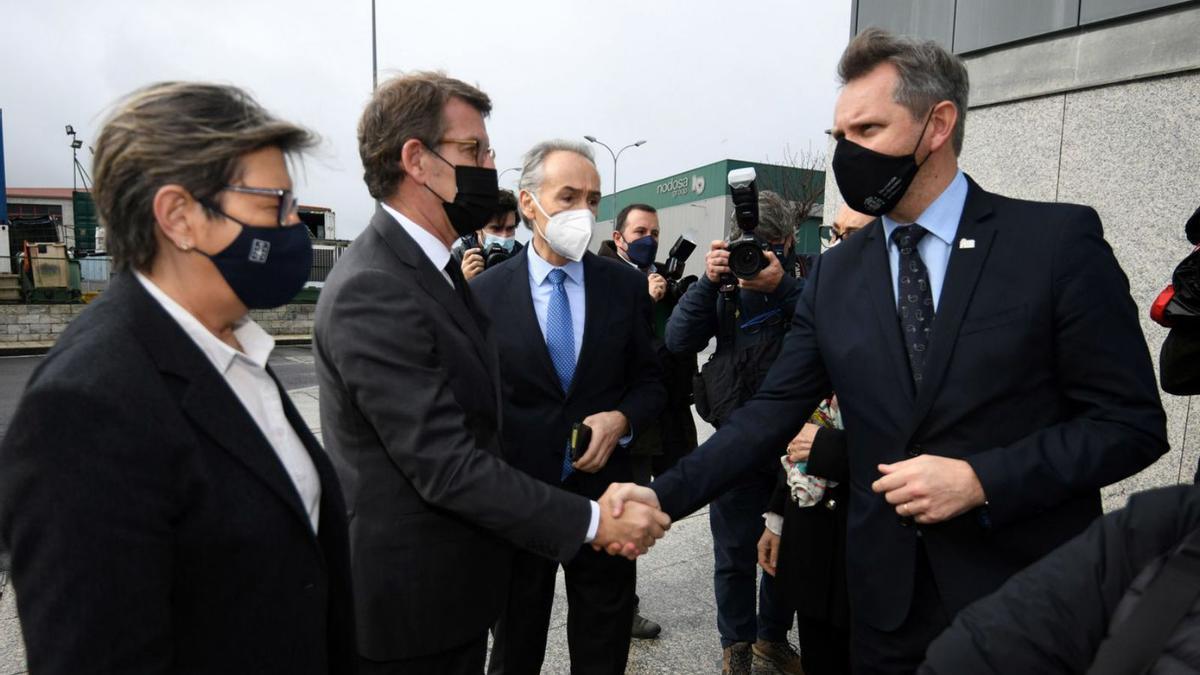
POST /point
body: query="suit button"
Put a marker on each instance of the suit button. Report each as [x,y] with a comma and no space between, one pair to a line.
[831,504]
[309,586]
[904,522]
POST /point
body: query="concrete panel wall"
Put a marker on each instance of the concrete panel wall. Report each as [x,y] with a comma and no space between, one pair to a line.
[44,323]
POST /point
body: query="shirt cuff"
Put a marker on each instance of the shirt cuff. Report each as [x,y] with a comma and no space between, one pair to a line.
[774,523]
[594,525]
[624,440]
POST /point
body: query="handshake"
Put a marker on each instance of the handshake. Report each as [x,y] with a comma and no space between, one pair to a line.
[630,520]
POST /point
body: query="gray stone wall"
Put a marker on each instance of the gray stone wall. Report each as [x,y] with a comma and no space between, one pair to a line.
[44,323]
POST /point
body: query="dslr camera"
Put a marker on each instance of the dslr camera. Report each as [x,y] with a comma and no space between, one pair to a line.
[672,270]
[746,258]
[492,255]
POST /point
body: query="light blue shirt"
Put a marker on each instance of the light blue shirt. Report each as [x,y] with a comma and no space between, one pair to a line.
[941,220]
[541,289]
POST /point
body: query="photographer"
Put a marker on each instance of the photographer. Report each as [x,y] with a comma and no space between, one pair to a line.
[673,435]
[494,243]
[749,320]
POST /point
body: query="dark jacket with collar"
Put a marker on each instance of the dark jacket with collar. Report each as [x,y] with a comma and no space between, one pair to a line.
[411,416]
[152,526]
[616,370]
[1038,376]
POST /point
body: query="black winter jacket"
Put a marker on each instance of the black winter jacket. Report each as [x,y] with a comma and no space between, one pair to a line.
[1053,616]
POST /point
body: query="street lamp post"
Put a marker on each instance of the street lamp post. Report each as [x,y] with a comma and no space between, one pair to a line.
[615,155]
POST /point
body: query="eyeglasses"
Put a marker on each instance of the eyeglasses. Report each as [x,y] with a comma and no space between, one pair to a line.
[288,204]
[829,236]
[472,147]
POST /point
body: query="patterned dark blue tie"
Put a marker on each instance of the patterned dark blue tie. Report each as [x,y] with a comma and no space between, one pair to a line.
[915,298]
[560,342]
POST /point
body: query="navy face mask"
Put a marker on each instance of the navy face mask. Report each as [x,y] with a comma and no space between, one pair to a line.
[266,266]
[641,252]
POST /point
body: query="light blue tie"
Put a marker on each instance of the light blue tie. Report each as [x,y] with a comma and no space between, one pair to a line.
[560,342]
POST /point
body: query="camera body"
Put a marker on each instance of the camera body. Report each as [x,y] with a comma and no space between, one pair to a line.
[672,271]
[746,254]
[492,255]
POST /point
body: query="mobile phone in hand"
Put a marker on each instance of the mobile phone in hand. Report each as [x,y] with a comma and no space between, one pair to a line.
[581,437]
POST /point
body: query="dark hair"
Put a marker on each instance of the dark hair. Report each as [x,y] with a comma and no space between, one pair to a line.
[619,223]
[507,205]
[403,108]
[190,134]
[928,73]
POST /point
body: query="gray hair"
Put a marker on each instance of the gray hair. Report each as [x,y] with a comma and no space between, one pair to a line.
[928,73]
[532,167]
[776,217]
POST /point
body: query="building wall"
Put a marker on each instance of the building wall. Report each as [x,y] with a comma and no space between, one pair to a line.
[1118,137]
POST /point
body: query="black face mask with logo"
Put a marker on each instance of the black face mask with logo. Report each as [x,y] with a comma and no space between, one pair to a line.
[477,198]
[872,182]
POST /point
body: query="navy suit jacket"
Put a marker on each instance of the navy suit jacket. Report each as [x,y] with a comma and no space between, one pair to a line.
[1038,376]
[617,367]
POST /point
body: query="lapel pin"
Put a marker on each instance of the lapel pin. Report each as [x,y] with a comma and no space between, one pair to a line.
[966,243]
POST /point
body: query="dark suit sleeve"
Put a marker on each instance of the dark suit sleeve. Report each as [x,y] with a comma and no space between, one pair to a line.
[828,458]
[390,364]
[1116,423]
[694,321]
[779,496]
[1052,616]
[757,433]
[86,503]
[646,395]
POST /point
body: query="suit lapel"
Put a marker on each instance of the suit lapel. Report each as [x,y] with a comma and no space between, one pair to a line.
[596,314]
[877,277]
[206,398]
[962,276]
[431,279]
[527,316]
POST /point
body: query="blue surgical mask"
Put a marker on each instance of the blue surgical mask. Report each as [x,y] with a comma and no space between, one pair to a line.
[507,242]
[266,266]
[641,251]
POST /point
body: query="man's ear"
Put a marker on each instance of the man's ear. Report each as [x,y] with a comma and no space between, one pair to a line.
[174,213]
[525,200]
[413,156]
[943,118]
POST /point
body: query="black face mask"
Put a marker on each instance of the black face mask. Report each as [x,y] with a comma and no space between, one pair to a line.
[477,199]
[872,182]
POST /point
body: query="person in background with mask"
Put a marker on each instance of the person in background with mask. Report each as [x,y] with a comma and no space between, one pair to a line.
[411,402]
[180,517]
[635,243]
[574,330]
[989,364]
[804,542]
[750,324]
[501,229]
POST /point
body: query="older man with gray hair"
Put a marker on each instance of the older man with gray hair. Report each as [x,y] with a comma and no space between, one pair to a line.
[575,332]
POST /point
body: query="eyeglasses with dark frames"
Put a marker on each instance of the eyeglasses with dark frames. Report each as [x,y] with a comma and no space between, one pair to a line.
[288,204]
[829,235]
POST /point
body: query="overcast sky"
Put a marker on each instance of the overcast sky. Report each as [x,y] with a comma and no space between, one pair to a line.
[699,80]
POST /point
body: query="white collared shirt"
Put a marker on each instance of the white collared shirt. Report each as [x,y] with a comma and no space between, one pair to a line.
[246,373]
[437,252]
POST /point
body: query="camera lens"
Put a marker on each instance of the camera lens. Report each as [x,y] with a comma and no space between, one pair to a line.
[495,255]
[746,258]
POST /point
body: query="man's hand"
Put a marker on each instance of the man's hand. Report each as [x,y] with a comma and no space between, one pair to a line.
[472,263]
[716,263]
[607,429]
[768,551]
[799,447]
[768,278]
[630,521]
[658,286]
[930,489]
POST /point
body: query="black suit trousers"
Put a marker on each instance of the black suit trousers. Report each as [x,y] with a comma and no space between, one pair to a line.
[878,652]
[600,600]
